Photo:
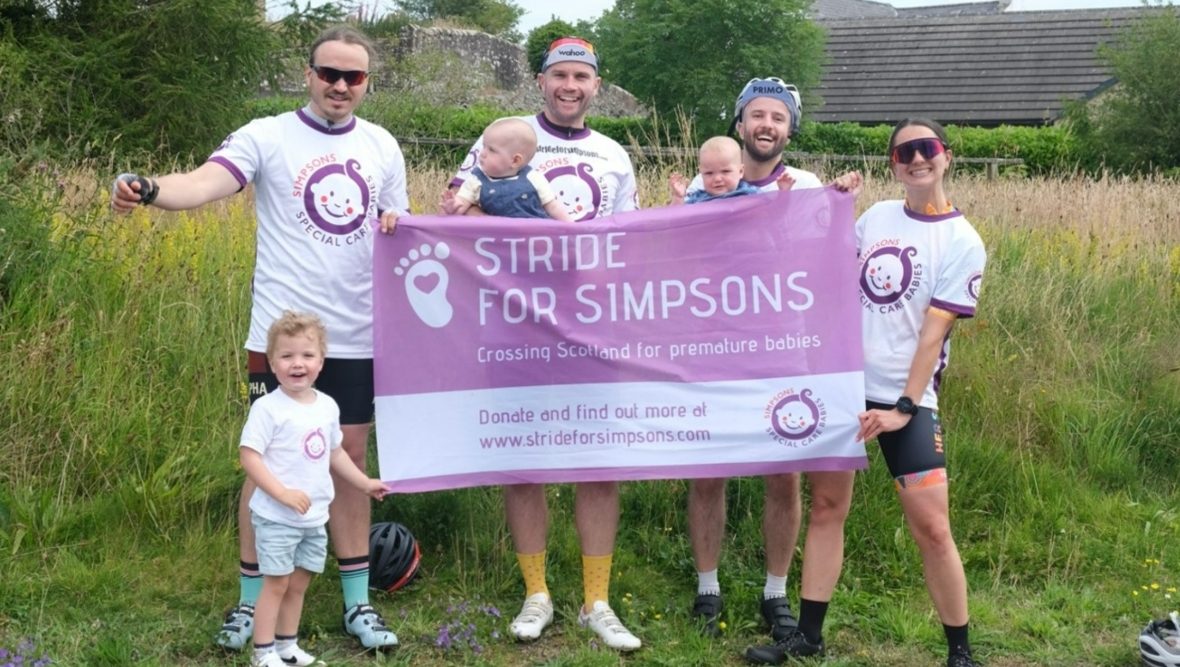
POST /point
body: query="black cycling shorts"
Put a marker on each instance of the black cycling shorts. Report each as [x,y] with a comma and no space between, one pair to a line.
[348,381]
[915,450]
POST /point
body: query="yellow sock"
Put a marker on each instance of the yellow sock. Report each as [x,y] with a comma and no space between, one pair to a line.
[532,566]
[595,578]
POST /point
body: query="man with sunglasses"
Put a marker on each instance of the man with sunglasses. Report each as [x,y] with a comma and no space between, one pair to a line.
[321,176]
[592,177]
[766,115]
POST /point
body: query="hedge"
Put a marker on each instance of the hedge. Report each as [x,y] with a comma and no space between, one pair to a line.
[1044,150]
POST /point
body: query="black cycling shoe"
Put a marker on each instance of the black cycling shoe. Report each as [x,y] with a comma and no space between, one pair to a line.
[961,660]
[778,615]
[706,611]
[794,646]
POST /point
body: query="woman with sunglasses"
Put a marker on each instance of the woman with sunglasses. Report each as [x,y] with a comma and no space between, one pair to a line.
[921,264]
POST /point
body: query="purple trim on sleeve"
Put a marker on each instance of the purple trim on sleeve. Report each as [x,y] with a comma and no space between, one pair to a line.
[311,122]
[921,217]
[774,174]
[942,358]
[490,478]
[560,133]
[456,181]
[958,308]
[232,168]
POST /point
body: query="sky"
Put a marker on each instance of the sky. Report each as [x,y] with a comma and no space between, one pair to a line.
[539,12]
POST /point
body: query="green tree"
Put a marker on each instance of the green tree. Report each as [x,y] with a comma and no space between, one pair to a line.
[1136,124]
[695,55]
[129,75]
[496,17]
[541,37]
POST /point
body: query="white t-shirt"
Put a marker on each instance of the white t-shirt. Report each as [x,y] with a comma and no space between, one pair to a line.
[296,441]
[803,180]
[590,173]
[908,263]
[318,191]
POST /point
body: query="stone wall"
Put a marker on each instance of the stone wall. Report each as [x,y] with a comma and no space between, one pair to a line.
[477,67]
[479,51]
[451,66]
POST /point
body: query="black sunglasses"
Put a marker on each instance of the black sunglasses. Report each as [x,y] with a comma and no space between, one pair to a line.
[330,75]
[927,146]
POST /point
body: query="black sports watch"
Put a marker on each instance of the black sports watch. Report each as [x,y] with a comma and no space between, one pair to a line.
[906,405]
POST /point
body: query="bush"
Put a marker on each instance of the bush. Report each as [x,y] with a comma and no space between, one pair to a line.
[1044,150]
[1135,126]
[130,76]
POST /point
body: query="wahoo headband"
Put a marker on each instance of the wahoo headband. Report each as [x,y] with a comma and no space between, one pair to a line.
[570,49]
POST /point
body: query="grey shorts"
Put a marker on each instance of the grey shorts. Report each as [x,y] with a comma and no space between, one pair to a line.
[282,548]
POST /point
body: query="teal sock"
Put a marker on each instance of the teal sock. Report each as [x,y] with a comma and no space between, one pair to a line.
[250,581]
[354,579]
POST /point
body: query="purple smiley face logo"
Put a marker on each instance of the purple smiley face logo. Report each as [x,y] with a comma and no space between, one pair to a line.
[577,190]
[886,274]
[973,284]
[469,161]
[315,445]
[337,197]
[795,417]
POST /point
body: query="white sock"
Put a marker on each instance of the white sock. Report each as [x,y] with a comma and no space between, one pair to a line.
[259,652]
[282,645]
[707,583]
[776,587]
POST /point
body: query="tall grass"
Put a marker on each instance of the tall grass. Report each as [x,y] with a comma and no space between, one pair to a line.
[122,396]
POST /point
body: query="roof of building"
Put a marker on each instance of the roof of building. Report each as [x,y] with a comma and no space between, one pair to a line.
[835,10]
[1003,68]
[849,9]
[961,9]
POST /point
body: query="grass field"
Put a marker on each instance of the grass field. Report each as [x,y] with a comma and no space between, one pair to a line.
[122,398]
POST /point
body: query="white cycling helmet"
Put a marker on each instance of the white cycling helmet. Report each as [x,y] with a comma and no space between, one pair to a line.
[1159,643]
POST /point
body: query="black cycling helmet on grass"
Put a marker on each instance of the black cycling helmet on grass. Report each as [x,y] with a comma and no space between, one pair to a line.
[393,556]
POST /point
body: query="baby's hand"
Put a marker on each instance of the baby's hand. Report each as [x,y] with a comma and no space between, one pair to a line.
[447,203]
[851,182]
[784,181]
[679,185]
[388,222]
[296,500]
[375,488]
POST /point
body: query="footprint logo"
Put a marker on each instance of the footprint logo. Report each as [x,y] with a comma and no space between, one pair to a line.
[426,283]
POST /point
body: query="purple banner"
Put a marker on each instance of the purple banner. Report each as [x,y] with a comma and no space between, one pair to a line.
[674,342]
[475,302]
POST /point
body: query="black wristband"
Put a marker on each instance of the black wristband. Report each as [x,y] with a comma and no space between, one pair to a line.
[149,195]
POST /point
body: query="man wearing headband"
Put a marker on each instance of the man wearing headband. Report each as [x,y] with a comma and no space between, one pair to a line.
[766,115]
[321,175]
[593,178]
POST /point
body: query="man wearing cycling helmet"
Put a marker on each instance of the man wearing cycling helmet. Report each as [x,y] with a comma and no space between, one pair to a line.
[766,116]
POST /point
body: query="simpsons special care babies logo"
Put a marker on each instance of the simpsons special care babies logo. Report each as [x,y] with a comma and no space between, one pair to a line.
[973,284]
[577,189]
[796,419]
[889,276]
[335,200]
[315,445]
[426,283]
